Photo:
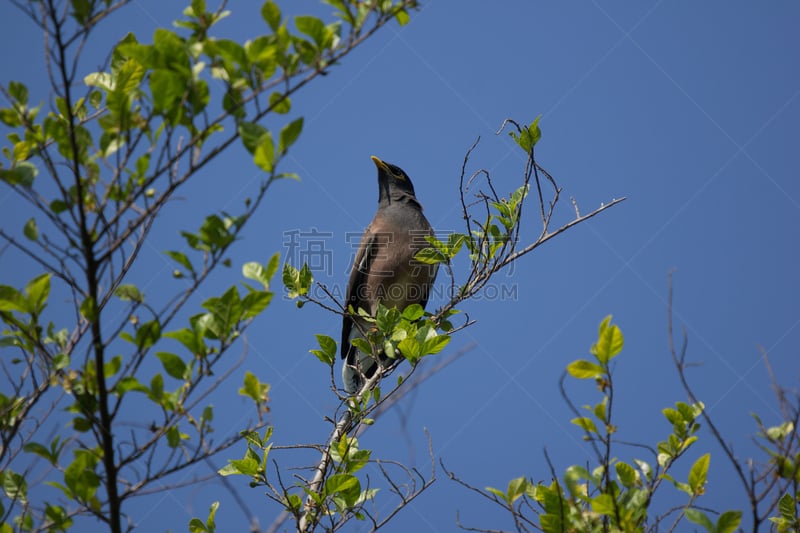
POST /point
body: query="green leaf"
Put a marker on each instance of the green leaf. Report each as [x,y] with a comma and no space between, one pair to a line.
[575,477]
[190,338]
[609,341]
[112,366]
[673,416]
[729,521]
[297,282]
[340,482]
[81,10]
[57,206]
[212,512]
[271,14]
[343,447]
[262,273]
[411,349]
[80,476]
[168,88]
[435,344]
[497,492]
[327,351]
[129,383]
[254,389]
[698,474]
[129,293]
[626,474]
[12,300]
[386,319]
[786,506]
[645,468]
[430,256]
[253,270]
[363,345]
[37,291]
[10,117]
[30,230]
[170,51]
[156,390]
[58,516]
[289,134]
[600,409]
[18,92]
[216,233]
[687,412]
[402,17]
[229,469]
[583,369]
[586,423]
[198,7]
[89,309]
[287,175]
[102,80]
[174,365]
[195,524]
[454,243]
[147,334]
[528,135]
[174,436]
[603,504]
[254,303]
[294,502]
[698,517]
[81,425]
[344,487]
[280,103]
[14,485]
[413,312]
[42,451]
[251,134]
[272,265]
[22,174]
[778,433]
[516,488]
[313,27]
[181,259]
[358,459]
[225,313]
[603,325]
[551,523]
[264,153]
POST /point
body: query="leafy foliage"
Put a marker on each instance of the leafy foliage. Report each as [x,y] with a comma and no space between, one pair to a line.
[97,165]
[622,495]
[616,495]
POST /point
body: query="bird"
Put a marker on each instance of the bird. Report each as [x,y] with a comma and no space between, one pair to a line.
[384,269]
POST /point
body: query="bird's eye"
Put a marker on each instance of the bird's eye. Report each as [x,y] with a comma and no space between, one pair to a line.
[399,174]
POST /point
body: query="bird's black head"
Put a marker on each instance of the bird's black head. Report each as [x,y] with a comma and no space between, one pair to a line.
[393,183]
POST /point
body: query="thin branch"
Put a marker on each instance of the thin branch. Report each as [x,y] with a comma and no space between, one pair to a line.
[680,365]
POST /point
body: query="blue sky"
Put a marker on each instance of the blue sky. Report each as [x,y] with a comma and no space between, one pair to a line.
[687,109]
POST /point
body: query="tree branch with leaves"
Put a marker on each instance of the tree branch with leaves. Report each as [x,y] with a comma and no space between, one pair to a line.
[492,240]
[96,167]
[621,491]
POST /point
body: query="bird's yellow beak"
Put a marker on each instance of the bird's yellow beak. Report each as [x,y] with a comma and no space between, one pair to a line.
[380,164]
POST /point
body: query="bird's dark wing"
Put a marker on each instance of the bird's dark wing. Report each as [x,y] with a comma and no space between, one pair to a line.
[355,292]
